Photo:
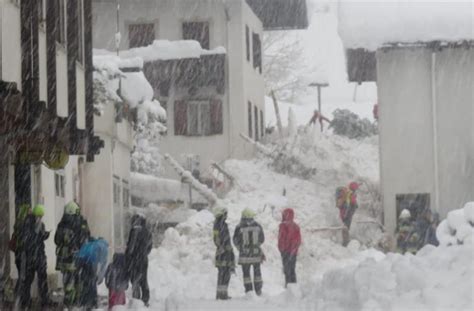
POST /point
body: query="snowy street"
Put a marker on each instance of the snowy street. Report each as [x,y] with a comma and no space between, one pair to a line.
[236,155]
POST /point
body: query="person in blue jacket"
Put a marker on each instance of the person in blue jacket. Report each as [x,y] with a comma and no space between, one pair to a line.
[91,261]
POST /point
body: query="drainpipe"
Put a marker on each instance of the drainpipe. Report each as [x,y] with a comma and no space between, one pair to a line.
[435,128]
[227,75]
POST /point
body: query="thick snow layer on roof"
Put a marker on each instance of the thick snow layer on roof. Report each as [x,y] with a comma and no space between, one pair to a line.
[167,50]
[135,88]
[372,24]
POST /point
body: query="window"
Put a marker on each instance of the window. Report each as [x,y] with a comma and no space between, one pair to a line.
[198,31]
[60,21]
[257,52]
[198,117]
[249,113]
[262,125]
[247,42]
[141,35]
[59,183]
[125,194]
[118,215]
[116,191]
[80,31]
[255,109]
[126,207]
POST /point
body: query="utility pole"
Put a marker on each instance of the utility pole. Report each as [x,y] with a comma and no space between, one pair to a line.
[319,86]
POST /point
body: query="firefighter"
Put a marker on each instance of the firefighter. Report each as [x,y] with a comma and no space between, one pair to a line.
[71,234]
[248,238]
[225,259]
[16,245]
[407,236]
[33,236]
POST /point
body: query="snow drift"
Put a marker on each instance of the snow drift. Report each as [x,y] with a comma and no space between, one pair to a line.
[458,227]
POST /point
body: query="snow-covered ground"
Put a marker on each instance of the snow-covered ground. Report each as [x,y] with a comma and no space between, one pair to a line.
[182,275]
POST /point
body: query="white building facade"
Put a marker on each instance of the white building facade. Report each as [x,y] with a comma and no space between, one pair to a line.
[426,112]
[56,111]
[228,103]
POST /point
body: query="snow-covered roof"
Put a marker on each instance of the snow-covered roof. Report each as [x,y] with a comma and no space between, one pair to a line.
[135,90]
[373,24]
[168,50]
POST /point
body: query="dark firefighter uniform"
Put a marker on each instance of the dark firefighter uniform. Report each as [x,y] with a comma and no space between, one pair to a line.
[71,234]
[225,259]
[248,237]
[407,237]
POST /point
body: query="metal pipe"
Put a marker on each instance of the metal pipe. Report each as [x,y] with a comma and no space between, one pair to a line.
[435,128]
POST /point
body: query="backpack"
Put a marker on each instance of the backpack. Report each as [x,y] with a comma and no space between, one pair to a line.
[341,196]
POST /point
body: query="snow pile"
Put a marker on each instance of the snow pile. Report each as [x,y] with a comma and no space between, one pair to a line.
[185,257]
[434,279]
[167,50]
[372,24]
[458,227]
[135,89]
[113,84]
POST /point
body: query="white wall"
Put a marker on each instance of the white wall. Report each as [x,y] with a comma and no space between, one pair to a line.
[113,160]
[11,58]
[407,126]
[167,15]
[455,120]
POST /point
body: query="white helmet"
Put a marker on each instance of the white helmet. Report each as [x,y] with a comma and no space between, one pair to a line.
[405,214]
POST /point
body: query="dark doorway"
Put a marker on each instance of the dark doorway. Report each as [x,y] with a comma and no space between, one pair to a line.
[416,203]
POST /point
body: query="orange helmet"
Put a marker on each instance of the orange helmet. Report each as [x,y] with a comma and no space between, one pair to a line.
[354,186]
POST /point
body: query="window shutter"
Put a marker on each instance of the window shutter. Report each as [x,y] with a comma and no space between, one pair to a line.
[216,117]
[180,117]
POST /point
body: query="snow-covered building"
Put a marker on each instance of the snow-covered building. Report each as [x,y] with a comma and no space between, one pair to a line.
[46,115]
[212,87]
[424,72]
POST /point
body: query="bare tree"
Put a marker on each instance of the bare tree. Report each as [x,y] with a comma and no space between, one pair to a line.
[284,66]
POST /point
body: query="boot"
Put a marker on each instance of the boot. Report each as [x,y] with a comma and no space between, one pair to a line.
[222,296]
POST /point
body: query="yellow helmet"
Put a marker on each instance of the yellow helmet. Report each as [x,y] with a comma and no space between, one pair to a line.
[248,213]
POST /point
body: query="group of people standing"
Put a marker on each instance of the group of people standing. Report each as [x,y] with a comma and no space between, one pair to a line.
[414,233]
[248,238]
[80,258]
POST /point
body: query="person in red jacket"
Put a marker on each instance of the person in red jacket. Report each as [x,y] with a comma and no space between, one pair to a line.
[289,240]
